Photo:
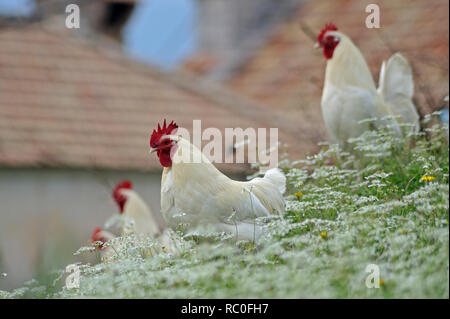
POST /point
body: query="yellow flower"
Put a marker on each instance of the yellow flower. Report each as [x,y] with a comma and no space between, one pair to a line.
[381,282]
[428,178]
[402,231]
[299,194]
[323,234]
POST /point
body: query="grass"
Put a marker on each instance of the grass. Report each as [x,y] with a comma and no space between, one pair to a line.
[386,204]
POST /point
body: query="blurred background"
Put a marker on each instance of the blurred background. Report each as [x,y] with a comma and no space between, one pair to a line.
[77,105]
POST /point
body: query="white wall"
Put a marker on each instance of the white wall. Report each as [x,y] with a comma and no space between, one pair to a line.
[47,214]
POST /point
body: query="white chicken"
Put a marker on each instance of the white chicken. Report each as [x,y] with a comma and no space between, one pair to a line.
[197,193]
[136,217]
[133,207]
[103,236]
[350,95]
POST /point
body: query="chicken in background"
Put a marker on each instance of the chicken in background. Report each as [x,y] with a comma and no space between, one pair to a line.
[350,95]
[197,193]
[136,217]
[103,236]
[133,207]
[167,242]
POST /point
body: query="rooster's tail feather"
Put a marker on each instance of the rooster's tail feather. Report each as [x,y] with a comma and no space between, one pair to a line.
[276,177]
[396,86]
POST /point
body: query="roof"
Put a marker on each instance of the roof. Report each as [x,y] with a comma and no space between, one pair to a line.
[67,103]
[286,74]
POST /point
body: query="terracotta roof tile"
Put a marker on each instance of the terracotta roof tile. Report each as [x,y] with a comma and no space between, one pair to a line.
[65,102]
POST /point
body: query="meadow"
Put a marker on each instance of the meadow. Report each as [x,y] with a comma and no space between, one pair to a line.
[385,203]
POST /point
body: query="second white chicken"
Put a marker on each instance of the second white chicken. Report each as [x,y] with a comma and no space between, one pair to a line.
[350,96]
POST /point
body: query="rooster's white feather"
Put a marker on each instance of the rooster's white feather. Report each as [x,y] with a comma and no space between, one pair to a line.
[198,193]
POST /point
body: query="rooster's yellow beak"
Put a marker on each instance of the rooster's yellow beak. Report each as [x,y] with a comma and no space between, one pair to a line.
[152,150]
[316,45]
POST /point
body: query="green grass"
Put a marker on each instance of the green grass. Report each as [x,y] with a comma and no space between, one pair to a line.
[368,207]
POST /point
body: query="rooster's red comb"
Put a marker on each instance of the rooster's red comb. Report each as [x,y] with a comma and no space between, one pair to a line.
[164,130]
[121,185]
[328,27]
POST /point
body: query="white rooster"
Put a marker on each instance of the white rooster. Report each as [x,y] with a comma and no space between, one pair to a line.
[350,95]
[197,193]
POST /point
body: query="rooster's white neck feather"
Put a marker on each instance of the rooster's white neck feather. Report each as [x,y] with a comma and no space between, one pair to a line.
[348,67]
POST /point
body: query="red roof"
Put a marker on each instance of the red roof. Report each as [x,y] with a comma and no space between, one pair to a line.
[65,102]
[286,75]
